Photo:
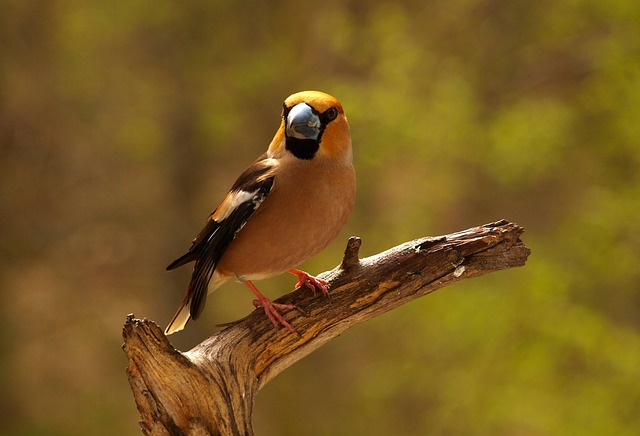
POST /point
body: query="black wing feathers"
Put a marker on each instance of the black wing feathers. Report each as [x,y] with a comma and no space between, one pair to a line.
[214,248]
[209,229]
[211,243]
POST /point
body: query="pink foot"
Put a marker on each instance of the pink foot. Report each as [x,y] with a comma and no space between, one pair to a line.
[271,308]
[311,282]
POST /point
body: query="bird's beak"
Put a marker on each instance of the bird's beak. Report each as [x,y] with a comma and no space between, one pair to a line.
[303,122]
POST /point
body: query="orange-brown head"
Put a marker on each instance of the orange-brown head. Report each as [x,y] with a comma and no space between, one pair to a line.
[313,127]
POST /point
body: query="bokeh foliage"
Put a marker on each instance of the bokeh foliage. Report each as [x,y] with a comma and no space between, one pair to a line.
[122,123]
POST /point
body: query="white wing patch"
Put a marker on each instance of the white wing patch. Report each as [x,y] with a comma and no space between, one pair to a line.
[235,199]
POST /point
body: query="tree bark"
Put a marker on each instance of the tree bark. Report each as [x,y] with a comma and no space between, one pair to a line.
[211,388]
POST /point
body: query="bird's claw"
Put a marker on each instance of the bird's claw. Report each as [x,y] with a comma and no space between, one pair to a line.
[311,282]
[271,310]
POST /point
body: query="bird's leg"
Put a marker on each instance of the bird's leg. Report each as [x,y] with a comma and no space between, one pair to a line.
[311,282]
[270,308]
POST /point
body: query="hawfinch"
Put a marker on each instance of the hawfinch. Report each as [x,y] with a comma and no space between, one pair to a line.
[283,209]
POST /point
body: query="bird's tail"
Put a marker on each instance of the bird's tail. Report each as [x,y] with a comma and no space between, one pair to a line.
[180,319]
[183,315]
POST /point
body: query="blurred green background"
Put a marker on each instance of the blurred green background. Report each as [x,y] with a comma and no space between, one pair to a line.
[123,123]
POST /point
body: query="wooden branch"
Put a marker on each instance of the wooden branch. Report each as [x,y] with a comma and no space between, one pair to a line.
[211,388]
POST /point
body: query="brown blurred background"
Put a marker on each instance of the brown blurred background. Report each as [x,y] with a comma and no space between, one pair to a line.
[123,123]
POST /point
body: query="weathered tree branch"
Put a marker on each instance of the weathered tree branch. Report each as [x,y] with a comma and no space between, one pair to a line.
[211,388]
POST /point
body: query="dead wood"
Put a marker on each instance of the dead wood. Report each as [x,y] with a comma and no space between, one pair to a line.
[211,388]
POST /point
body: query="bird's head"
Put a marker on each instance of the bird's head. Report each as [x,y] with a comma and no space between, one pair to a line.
[313,127]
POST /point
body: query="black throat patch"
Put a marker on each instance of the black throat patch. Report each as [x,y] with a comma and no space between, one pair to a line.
[302,148]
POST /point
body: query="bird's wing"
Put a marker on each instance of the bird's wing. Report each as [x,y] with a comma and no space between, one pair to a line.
[246,195]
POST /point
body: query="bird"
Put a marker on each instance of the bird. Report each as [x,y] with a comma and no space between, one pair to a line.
[282,210]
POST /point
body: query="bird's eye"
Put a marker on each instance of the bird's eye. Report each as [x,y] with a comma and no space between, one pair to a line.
[331,114]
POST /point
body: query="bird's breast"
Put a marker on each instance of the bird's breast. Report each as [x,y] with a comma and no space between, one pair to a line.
[306,209]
